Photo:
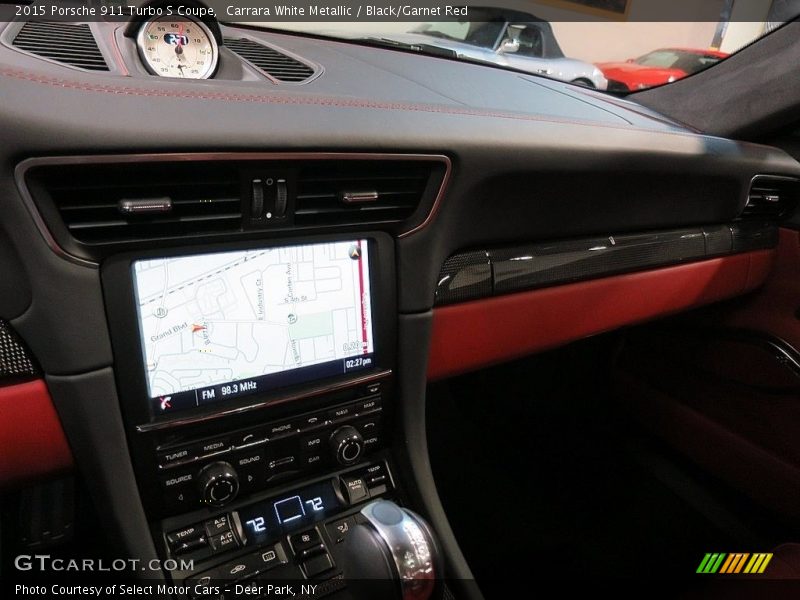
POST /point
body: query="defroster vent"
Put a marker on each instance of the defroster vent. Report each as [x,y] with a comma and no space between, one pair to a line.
[67,43]
[275,64]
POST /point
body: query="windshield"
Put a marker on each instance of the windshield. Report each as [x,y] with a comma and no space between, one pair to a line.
[601,44]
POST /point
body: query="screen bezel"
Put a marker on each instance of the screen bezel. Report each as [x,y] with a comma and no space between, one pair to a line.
[119,292]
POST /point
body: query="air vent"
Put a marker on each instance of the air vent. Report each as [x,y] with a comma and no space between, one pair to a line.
[275,64]
[771,197]
[66,43]
[112,204]
[354,193]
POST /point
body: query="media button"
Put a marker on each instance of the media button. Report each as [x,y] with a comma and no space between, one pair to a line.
[210,447]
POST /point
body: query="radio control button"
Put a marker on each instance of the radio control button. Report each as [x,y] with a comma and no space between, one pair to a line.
[313,443]
[342,413]
[347,444]
[312,421]
[218,483]
[178,456]
[177,480]
[209,447]
[368,405]
[284,428]
[313,460]
[249,437]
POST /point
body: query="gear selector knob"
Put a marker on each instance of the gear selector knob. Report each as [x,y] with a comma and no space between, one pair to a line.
[394,548]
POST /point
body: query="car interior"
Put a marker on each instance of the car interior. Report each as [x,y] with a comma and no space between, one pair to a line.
[381,324]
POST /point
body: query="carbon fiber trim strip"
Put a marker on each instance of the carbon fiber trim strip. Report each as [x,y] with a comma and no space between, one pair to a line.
[15,360]
[483,273]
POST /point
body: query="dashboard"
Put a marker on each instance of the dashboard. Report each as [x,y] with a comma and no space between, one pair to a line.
[236,257]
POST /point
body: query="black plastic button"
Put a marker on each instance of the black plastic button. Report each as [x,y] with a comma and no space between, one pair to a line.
[312,443]
[180,498]
[209,447]
[177,480]
[217,525]
[191,545]
[223,541]
[281,429]
[355,488]
[305,540]
[316,565]
[248,437]
[237,569]
[187,533]
[175,457]
[311,421]
[311,461]
[269,558]
[338,530]
[368,405]
[342,413]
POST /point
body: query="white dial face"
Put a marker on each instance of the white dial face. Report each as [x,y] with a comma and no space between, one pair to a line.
[172,47]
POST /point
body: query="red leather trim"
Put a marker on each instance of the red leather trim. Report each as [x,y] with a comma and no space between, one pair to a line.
[32,442]
[476,334]
[774,308]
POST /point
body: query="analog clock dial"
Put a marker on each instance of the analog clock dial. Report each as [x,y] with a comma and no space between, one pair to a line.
[172,47]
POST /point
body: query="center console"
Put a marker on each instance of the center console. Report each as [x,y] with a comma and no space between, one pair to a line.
[256,382]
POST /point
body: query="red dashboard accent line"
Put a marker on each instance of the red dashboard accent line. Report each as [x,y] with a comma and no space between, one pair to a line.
[32,442]
[480,333]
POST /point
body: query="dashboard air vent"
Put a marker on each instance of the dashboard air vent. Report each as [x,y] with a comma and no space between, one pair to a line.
[771,197]
[67,43]
[110,204]
[275,64]
[354,193]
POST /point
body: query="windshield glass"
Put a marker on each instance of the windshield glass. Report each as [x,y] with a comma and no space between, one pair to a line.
[609,45]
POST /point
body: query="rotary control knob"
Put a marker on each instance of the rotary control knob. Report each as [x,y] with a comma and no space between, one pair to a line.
[218,483]
[347,444]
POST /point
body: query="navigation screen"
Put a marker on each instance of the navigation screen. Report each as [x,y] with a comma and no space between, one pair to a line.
[219,326]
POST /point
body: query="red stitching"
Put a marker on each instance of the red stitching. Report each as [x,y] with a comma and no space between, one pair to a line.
[305,101]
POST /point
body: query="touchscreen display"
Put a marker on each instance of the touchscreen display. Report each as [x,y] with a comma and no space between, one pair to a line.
[218,326]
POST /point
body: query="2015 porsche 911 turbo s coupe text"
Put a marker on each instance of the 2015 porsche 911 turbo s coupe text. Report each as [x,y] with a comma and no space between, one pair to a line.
[285,311]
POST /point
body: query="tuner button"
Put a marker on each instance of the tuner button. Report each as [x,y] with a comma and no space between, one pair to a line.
[347,444]
[218,483]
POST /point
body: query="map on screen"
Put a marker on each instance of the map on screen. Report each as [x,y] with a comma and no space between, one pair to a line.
[220,323]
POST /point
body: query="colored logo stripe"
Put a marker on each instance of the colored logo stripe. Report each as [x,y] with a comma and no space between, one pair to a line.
[731,564]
